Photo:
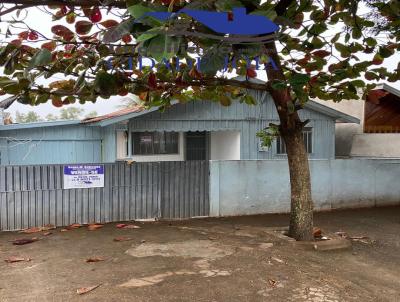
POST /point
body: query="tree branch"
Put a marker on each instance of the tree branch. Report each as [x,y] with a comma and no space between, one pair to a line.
[11,9]
[109,3]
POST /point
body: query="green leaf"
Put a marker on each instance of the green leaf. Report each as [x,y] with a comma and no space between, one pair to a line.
[270,14]
[371,42]
[249,99]
[41,58]
[278,85]
[138,10]
[227,5]
[385,52]
[225,100]
[105,84]
[80,80]
[163,47]
[212,61]
[299,79]
[150,34]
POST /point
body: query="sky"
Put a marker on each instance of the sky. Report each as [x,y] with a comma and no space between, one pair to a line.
[42,22]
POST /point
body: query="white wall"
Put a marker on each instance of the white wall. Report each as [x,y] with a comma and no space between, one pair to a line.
[345,131]
[248,187]
[121,144]
[225,145]
[386,145]
[166,157]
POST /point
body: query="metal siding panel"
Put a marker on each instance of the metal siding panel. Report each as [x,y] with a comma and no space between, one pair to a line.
[35,196]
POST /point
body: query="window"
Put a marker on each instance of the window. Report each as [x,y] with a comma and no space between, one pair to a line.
[152,143]
[307,137]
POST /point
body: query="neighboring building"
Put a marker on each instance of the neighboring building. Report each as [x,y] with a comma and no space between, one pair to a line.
[378,134]
[198,130]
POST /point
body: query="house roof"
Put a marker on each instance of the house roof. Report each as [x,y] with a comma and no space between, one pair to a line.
[116,114]
[336,114]
[135,111]
[389,89]
[39,125]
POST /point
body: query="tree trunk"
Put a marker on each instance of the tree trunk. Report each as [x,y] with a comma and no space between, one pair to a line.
[291,130]
[301,210]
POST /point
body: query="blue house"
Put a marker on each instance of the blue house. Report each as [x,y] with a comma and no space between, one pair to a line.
[198,130]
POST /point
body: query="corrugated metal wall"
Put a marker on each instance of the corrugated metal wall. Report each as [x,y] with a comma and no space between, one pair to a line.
[185,189]
[51,145]
[34,195]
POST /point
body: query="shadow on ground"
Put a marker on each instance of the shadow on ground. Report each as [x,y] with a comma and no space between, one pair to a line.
[227,259]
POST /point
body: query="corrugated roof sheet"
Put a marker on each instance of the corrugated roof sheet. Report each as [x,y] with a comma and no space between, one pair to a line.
[122,112]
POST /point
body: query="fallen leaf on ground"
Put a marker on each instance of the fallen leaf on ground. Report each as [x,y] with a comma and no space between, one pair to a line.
[317,232]
[277,260]
[47,227]
[24,241]
[212,238]
[131,226]
[75,226]
[13,259]
[64,230]
[47,233]
[121,225]
[31,230]
[272,282]
[93,227]
[84,290]
[95,259]
[118,239]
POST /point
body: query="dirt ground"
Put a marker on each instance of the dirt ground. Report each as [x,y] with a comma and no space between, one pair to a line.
[228,259]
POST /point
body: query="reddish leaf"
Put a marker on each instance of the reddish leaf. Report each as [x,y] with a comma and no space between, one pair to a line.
[96,15]
[75,226]
[152,81]
[50,46]
[127,38]
[64,10]
[83,27]
[109,23]
[56,101]
[321,53]
[93,227]
[251,73]
[23,35]
[121,225]
[31,230]
[84,290]
[16,42]
[24,241]
[33,36]
[194,73]
[62,31]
